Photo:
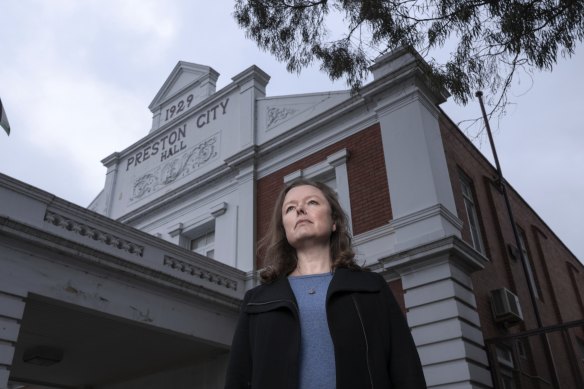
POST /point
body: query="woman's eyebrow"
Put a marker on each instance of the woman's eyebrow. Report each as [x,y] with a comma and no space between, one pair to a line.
[312,196]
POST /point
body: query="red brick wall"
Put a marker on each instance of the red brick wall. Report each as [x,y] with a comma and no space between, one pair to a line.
[551,260]
[368,190]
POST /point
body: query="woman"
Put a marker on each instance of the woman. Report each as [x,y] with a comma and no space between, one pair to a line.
[319,321]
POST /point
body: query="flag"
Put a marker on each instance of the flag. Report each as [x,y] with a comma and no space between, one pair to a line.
[3,119]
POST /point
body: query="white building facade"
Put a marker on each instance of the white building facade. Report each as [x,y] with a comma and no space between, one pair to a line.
[201,181]
[195,178]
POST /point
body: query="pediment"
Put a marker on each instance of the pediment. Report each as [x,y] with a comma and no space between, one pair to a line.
[184,76]
[284,111]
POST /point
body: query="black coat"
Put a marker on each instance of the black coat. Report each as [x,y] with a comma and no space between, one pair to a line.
[372,342]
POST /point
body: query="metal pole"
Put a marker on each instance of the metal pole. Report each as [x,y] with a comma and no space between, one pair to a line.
[530,286]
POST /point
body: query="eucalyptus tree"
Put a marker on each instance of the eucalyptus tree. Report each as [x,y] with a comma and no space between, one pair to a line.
[490,41]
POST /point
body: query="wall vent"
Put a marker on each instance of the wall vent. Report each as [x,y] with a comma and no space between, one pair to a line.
[505,306]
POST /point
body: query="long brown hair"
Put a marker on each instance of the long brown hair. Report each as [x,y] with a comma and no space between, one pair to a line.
[280,258]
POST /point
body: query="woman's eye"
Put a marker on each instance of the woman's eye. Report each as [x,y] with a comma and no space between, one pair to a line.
[313,202]
[290,208]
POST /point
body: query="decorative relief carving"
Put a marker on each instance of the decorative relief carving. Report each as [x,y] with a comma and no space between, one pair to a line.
[276,115]
[195,271]
[93,233]
[176,168]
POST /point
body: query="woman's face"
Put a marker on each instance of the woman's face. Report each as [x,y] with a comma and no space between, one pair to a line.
[306,216]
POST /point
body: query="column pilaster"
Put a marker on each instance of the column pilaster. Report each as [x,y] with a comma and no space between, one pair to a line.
[442,312]
[11,311]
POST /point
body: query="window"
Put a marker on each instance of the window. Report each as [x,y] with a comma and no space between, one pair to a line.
[506,366]
[521,348]
[471,213]
[204,244]
[507,381]
[200,239]
[574,275]
[530,271]
[581,347]
[198,234]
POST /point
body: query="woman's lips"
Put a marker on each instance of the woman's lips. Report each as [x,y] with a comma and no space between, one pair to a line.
[303,221]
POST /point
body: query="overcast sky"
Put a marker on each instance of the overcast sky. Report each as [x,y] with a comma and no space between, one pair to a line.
[77,76]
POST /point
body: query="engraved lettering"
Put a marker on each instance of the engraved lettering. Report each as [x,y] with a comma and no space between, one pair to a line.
[184,161]
[199,122]
[167,146]
[172,138]
[163,139]
[224,105]
[130,162]
[175,109]
[211,114]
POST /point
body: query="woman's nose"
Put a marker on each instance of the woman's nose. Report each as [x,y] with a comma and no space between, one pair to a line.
[300,210]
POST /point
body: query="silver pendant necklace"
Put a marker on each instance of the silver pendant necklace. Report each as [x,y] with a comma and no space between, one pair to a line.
[311,290]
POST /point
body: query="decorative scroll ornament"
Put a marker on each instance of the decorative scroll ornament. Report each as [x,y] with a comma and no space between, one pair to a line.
[201,273]
[276,115]
[174,169]
[93,233]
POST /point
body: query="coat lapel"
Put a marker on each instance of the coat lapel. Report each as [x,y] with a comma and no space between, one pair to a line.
[279,293]
[273,296]
[346,280]
[277,290]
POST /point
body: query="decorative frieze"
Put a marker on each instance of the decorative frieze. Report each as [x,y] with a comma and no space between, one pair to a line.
[93,233]
[176,168]
[276,115]
[199,272]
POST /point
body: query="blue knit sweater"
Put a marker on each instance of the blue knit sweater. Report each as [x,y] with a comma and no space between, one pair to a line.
[317,358]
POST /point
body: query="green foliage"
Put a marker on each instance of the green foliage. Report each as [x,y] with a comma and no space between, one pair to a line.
[493,39]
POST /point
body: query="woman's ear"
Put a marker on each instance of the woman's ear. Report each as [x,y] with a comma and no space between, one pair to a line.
[334,228]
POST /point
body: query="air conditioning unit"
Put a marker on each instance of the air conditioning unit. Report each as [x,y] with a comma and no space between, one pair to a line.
[505,306]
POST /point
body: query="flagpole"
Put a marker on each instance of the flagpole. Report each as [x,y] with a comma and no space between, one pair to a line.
[530,286]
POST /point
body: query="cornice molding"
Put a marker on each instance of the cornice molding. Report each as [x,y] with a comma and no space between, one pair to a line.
[221,284]
[251,73]
[241,157]
[371,235]
[434,210]
[450,248]
[93,233]
[200,272]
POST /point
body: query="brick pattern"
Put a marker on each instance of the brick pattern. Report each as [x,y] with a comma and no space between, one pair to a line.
[552,262]
[368,188]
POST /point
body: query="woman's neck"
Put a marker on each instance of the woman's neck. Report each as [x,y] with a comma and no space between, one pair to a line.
[315,260]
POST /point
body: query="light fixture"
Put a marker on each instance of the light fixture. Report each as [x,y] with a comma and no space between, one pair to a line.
[43,355]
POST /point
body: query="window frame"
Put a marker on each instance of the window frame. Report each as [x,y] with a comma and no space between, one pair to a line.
[531,274]
[472,212]
[207,247]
